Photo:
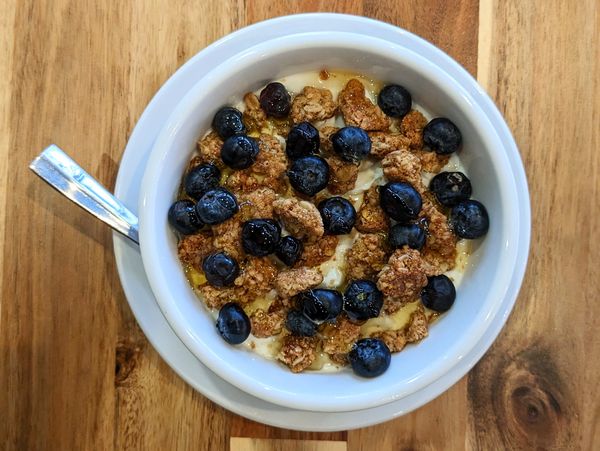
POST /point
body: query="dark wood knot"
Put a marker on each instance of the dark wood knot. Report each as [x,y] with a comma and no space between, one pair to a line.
[528,399]
[126,360]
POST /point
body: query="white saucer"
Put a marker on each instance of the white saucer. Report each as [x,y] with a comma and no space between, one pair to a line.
[139,294]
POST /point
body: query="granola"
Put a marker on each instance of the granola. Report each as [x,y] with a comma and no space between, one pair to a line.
[402,279]
[370,217]
[342,175]
[300,217]
[358,110]
[290,282]
[366,257]
[313,104]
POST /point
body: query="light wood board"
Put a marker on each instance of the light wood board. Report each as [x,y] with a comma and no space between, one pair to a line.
[76,371]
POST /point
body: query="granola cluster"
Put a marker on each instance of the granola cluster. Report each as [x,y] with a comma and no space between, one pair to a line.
[265,287]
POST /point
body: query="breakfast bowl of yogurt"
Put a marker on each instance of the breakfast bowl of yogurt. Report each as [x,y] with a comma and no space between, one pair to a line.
[327,221]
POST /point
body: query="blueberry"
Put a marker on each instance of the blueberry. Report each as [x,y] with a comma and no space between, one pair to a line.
[469,219]
[239,151]
[351,143]
[400,201]
[309,175]
[220,269]
[411,235]
[200,179]
[260,236]
[441,135]
[302,140]
[228,122]
[439,293]
[216,205]
[300,325]
[450,188]
[233,324]
[394,100]
[362,300]
[275,100]
[369,357]
[289,250]
[183,217]
[338,215]
[320,304]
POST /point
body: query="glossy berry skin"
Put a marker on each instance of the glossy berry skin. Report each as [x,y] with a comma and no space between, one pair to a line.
[441,135]
[302,140]
[451,188]
[239,151]
[289,250]
[260,236]
[369,357]
[300,325]
[220,269]
[400,201]
[275,100]
[338,215]
[362,300]
[201,179]
[469,219]
[439,293]
[216,206]
[351,144]
[309,175]
[233,324]
[183,217]
[394,100]
[228,122]
[411,235]
[320,304]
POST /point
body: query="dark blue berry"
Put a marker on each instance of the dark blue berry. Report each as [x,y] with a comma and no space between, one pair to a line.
[289,250]
[300,325]
[239,151]
[320,304]
[394,100]
[400,201]
[411,235]
[439,293]
[200,179]
[362,300]
[369,357]
[275,100]
[441,135]
[309,175]
[351,144]
[220,269]
[183,217]
[233,324]
[260,236]
[338,215]
[216,205]
[450,188]
[469,219]
[302,140]
[228,122]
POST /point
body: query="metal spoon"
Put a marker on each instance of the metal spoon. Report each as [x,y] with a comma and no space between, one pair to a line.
[68,178]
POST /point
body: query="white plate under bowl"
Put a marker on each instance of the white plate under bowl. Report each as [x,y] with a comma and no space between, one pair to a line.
[136,286]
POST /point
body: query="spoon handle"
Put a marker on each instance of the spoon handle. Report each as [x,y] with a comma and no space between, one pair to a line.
[69,179]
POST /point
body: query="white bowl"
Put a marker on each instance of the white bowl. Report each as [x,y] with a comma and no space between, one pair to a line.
[487,162]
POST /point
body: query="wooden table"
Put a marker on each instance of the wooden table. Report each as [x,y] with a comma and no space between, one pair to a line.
[75,370]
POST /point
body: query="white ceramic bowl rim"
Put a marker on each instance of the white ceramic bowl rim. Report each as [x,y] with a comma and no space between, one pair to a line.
[374,395]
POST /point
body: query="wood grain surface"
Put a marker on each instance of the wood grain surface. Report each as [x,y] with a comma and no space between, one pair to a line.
[76,371]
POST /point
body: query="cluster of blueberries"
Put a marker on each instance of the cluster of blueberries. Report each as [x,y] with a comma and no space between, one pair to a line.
[308,174]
